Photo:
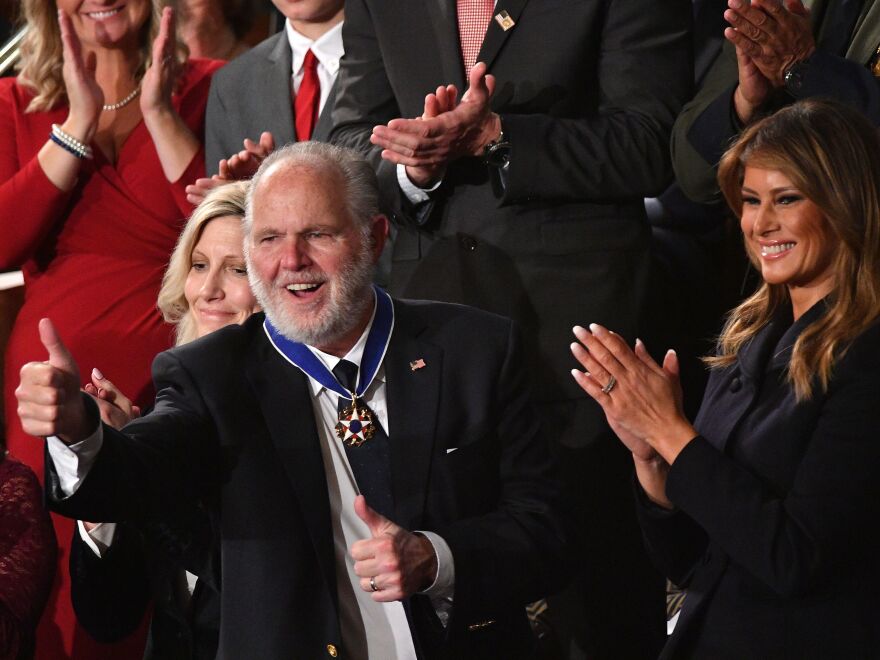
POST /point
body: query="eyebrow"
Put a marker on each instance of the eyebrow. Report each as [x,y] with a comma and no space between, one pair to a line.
[773,190]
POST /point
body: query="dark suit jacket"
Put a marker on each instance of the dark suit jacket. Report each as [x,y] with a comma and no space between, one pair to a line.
[775,533]
[232,413]
[707,126]
[252,94]
[587,93]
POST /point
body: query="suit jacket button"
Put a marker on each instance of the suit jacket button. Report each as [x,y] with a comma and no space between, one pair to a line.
[469,243]
[736,385]
[331,650]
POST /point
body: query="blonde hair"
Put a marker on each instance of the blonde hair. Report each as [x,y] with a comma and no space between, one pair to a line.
[831,153]
[226,200]
[41,53]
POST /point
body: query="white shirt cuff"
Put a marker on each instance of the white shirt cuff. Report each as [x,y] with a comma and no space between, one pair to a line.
[413,193]
[99,538]
[442,589]
[73,462]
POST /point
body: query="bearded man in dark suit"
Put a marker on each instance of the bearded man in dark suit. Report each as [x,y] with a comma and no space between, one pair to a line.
[328,429]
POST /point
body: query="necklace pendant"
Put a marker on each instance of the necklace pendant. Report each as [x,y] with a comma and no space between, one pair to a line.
[355,425]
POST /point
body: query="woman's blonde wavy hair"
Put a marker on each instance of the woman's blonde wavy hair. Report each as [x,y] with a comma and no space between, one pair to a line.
[39,68]
[831,153]
[226,200]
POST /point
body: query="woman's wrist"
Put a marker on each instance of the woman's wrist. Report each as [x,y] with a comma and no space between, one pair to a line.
[675,437]
[81,129]
[652,474]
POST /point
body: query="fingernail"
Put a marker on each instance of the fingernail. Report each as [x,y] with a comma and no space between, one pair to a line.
[639,342]
[671,351]
[578,329]
[594,328]
[97,373]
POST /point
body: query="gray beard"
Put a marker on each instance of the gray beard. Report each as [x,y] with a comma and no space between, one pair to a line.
[350,294]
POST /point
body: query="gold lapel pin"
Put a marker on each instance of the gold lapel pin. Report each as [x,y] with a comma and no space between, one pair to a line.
[504,20]
[416,364]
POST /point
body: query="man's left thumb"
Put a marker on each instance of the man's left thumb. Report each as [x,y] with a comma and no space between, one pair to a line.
[375,521]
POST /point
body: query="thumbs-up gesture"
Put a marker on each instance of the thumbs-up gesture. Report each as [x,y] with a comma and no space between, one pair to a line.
[393,563]
[49,400]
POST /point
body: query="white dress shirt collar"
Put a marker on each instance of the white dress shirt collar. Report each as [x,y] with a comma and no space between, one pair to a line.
[327,48]
[355,355]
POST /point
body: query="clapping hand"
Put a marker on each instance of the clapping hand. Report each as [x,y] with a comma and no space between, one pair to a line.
[158,83]
[84,95]
[643,402]
[770,36]
[445,132]
[239,166]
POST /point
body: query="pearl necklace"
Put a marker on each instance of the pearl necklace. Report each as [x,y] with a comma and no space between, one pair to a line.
[124,102]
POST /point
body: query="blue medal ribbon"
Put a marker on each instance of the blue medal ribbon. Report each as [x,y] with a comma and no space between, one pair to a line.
[300,356]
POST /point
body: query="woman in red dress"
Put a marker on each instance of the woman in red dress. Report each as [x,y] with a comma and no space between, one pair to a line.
[99,134]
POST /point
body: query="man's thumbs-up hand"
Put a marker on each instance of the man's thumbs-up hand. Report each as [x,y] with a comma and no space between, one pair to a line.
[393,563]
[49,399]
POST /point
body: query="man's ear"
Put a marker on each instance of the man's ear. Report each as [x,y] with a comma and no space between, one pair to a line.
[379,228]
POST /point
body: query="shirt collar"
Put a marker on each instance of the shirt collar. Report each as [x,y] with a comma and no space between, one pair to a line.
[327,48]
[355,355]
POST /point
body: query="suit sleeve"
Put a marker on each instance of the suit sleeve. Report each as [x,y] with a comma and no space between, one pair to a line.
[515,553]
[365,98]
[618,150]
[109,593]
[215,128]
[159,463]
[644,75]
[794,541]
[707,126]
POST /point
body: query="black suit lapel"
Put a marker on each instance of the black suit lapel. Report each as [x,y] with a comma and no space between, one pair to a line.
[413,396]
[278,100]
[286,405]
[496,35]
[445,23]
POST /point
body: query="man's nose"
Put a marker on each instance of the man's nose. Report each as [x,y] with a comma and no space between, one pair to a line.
[295,255]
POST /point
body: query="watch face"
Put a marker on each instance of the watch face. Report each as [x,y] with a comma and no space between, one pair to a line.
[794,77]
[498,155]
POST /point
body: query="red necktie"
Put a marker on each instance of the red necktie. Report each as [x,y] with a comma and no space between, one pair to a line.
[473,21]
[308,99]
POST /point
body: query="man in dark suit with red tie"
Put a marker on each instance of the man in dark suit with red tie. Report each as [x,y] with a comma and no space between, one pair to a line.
[517,186]
[284,86]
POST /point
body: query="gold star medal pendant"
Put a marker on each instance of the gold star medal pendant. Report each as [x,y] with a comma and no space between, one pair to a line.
[355,425]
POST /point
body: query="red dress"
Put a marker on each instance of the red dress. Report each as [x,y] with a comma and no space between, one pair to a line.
[93,260]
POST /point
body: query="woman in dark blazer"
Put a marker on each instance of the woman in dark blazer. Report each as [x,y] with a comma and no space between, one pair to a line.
[765,508]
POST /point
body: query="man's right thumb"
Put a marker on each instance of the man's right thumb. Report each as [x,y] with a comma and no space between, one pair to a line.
[59,356]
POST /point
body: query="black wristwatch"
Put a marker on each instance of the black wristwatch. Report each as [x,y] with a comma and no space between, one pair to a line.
[794,76]
[497,152]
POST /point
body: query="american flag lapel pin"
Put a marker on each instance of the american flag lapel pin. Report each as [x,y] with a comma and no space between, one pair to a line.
[416,364]
[504,20]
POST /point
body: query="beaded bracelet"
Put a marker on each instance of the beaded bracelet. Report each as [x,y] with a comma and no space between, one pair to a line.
[70,143]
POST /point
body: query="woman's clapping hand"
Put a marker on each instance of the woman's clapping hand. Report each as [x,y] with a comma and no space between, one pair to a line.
[83,93]
[643,405]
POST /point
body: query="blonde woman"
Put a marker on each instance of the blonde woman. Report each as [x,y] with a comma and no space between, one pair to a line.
[765,508]
[118,569]
[99,134]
